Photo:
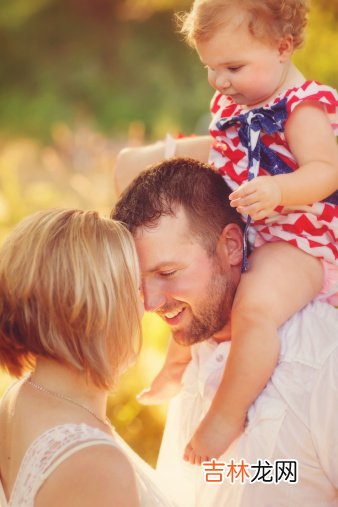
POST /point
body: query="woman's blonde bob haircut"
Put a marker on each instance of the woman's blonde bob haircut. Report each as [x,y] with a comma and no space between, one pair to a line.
[268,20]
[69,292]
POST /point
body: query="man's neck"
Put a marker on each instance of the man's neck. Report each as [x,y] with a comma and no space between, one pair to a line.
[224,334]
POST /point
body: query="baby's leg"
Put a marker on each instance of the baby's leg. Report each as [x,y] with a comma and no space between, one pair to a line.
[281,280]
[167,383]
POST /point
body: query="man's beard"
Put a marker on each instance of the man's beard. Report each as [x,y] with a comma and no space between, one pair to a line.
[214,311]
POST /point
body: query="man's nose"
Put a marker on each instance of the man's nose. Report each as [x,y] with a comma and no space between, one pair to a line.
[153,297]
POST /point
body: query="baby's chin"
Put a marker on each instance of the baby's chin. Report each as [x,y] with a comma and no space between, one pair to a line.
[237,99]
[251,103]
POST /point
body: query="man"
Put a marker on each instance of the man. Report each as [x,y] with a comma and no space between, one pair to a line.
[189,242]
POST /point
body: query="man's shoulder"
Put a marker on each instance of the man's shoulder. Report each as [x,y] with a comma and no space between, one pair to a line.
[311,335]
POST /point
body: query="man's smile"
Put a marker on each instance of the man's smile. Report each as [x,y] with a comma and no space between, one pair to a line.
[173,316]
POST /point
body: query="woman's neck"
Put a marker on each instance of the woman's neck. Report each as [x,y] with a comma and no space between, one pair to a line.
[66,381]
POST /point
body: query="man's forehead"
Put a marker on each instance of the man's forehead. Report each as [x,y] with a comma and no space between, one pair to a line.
[164,244]
[173,224]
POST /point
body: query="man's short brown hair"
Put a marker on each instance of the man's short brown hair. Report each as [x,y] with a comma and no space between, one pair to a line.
[177,182]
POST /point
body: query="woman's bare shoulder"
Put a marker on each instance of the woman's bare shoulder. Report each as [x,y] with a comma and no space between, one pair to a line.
[97,475]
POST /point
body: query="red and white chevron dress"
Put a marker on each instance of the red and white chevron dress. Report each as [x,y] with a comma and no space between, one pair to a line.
[312,228]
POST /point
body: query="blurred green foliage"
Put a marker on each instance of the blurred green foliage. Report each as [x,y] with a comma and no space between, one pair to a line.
[112,62]
[78,80]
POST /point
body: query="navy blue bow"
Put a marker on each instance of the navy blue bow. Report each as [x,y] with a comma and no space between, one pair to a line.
[269,120]
[264,119]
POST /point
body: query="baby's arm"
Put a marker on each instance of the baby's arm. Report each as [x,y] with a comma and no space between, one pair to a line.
[167,382]
[313,144]
[131,162]
[281,280]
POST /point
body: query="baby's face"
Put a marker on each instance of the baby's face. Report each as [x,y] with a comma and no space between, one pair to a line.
[243,67]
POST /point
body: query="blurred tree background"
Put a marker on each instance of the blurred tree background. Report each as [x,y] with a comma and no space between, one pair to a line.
[80,79]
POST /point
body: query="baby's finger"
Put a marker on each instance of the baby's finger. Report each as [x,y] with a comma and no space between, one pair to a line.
[260,215]
[244,190]
[235,203]
[251,210]
[237,194]
[245,201]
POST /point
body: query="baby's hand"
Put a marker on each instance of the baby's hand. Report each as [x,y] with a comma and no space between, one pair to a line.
[257,198]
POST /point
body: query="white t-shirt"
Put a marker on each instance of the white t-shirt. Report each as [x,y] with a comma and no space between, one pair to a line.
[294,419]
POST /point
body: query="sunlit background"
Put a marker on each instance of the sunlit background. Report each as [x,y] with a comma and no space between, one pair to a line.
[80,79]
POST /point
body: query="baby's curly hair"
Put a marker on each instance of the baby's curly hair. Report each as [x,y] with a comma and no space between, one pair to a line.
[267,19]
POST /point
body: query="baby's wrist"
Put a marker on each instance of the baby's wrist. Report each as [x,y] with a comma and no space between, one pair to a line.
[280,191]
[169,146]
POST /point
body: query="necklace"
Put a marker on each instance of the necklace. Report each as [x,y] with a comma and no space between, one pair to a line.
[39,387]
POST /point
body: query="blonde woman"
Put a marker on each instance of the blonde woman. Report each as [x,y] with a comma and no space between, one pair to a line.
[70,317]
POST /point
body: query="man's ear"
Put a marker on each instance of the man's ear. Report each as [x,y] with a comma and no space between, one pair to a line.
[285,48]
[230,244]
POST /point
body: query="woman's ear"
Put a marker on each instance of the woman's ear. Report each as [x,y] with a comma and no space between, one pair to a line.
[230,244]
[285,48]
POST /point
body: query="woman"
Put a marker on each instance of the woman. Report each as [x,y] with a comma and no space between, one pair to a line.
[70,316]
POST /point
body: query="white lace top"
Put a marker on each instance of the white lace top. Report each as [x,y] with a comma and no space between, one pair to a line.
[54,446]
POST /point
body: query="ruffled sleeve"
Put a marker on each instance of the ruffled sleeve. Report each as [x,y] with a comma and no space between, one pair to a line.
[316,92]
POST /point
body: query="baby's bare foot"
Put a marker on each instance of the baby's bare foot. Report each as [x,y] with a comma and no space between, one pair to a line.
[212,438]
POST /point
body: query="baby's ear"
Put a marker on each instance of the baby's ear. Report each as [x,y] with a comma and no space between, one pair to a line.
[231,244]
[285,48]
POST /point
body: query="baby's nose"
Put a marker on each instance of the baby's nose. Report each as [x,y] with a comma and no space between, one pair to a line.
[223,83]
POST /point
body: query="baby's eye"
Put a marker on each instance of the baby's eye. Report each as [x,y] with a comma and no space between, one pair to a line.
[235,68]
